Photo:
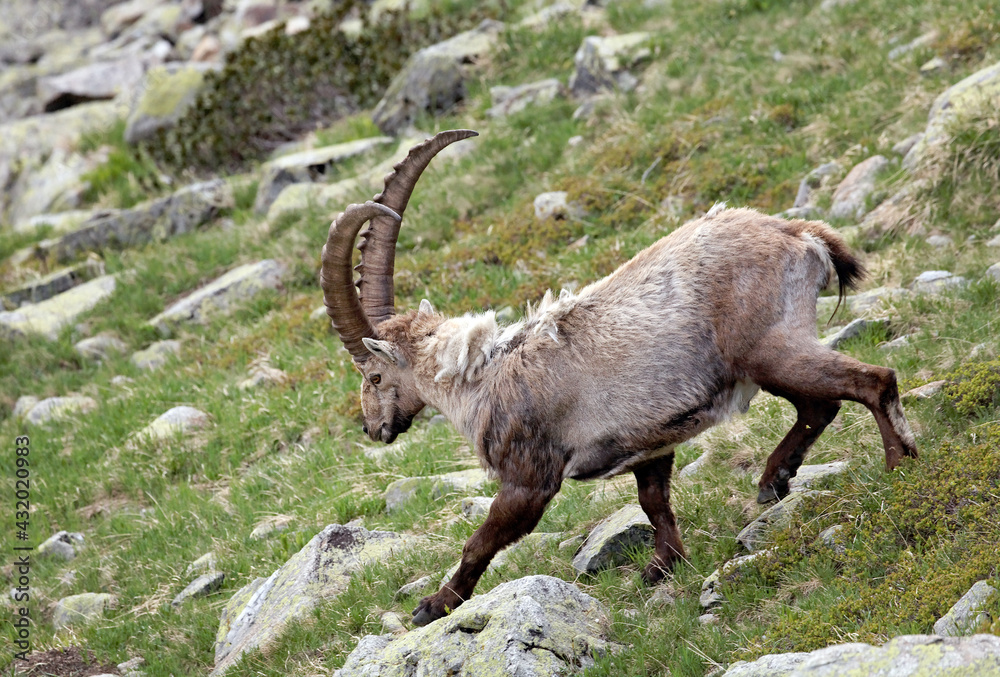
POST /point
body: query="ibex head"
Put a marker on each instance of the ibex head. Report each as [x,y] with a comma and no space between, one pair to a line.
[366,320]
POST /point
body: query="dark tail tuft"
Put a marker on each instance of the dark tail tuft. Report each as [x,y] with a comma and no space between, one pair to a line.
[849,269]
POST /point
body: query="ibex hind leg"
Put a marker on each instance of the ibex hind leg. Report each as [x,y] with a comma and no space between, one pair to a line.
[783,463]
[653,480]
[808,371]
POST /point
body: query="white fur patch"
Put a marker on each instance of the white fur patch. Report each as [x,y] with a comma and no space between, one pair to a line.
[544,320]
[716,208]
[819,247]
[463,346]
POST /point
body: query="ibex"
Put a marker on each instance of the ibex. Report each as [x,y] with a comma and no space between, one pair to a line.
[611,379]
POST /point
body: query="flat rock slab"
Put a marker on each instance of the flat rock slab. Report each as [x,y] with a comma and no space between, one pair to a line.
[257,614]
[609,542]
[49,317]
[156,355]
[176,422]
[402,491]
[59,408]
[221,296]
[967,614]
[81,608]
[533,626]
[96,81]
[205,584]
[904,656]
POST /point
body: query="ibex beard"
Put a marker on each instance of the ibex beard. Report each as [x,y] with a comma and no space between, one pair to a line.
[608,380]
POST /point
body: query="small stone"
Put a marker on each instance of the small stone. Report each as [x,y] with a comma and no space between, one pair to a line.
[937,281]
[708,619]
[967,614]
[131,665]
[476,506]
[904,146]
[601,63]
[269,526]
[807,475]
[263,374]
[120,380]
[850,197]
[994,271]
[156,355]
[753,537]
[926,391]
[851,331]
[392,623]
[574,141]
[896,343]
[696,466]
[100,347]
[661,598]
[933,66]
[206,562]
[609,542]
[61,545]
[59,408]
[939,241]
[81,608]
[510,100]
[205,584]
[556,205]
[414,587]
[829,538]
[175,422]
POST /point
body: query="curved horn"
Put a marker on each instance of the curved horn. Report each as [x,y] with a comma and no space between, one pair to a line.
[378,243]
[337,279]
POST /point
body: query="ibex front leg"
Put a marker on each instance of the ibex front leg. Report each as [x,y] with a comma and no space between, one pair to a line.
[654,497]
[514,513]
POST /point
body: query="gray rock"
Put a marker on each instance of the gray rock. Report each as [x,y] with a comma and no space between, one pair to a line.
[207,562]
[476,506]
[808,475]
[850,196]
[55,283]
[878,299]
[967,614]
[546,15]
[510,100]
[155,220]
[830,538]
[400,492]
[852,330]
[59,408]
[956,102]
[696,466]
[269,526]
[905,656]
[602,63]
[122,15]
[50,316]
[754,536]
[82,608]
[130,668]
[708,619]
[61,545]
[165,94]
[263,374]
[937,281]
[608,544]
[57,223]
[994,271]
[419,585]
[24,404]
[175,422]
[555,205]
[100,347]
[926,391]
[939,241]
[392,623]
[904,146]
[433,79]
[896,343]
[730,571]
[933,66]
[94,82]
[55,186]
[156,355]
[916,43]
[204,585]
[533,626]
[220,296]
[257,614]
[310,166]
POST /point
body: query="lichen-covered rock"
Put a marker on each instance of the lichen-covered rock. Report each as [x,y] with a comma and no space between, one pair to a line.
[155,220]
[433,79]
[205,584]
[55,186]
[753,537]
[156,355]
[50,316]
[510,100]
[206,562]
[967,614]
[307,167]
[257,614]
[958,100]
[96,81]
[937,281]
[55,283]
[58,408]
[852,330]
[530,627]
[730,571]
[602,63]
[402,491]
[175,422]
[221,296]
[81,608]
[302,196]
[100,347]
[866,302]
[24,404]
[164,96]
[61,545]
[904,656]
[924,392]
[609,542]
[555,204]
[851,195]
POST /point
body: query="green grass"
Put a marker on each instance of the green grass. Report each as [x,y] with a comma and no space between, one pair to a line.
[715,117]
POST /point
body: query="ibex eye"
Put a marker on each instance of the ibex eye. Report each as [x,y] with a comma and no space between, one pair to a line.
[375,379]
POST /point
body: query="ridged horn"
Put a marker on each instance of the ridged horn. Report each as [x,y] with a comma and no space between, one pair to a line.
[337,279]
[378,241]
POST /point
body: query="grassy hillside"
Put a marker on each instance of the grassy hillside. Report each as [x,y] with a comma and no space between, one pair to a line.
[741,99]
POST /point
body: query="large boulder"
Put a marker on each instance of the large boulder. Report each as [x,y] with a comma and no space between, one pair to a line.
[94,82]
[905,656]
[165,95]
[433,79]
[257,614]
[49,317]
[968,613]
[533,626]
[981,90]
[221,295]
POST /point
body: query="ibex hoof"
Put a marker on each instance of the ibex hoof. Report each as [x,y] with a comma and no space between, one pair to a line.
[428,611]
[771,493]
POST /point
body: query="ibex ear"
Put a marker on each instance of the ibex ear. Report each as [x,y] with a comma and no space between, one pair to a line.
[425,308]
[382,349]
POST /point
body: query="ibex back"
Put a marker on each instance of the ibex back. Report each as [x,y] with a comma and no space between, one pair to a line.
[611,379]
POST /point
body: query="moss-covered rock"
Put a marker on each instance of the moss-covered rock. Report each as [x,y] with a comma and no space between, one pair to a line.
[81,608]
[165,95]
[156,355]
[52,284]
[257,614]
[967,615]
[533,626]
[49,317]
